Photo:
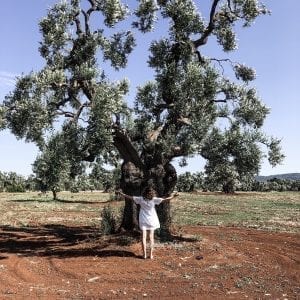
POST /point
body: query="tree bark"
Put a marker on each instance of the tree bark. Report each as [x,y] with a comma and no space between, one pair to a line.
[131,184]
[133,181]
[54,194]
[228,187]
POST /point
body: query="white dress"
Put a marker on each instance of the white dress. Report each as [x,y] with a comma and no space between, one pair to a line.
[148,218]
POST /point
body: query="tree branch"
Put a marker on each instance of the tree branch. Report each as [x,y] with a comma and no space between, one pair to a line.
[176,151]
[126,149]
[78,25]
[220,101]
[77,115]
[67,114]
[86,21]
[93,4]
[153,134]
[209,29]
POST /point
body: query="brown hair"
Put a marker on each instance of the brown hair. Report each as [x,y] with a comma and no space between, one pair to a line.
[149,192]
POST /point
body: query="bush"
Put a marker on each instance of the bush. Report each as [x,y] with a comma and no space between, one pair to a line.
[74,189]
[109,220]
[15,188]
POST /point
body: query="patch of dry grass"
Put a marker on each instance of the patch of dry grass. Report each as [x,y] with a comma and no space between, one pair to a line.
[276,211]
[31,208]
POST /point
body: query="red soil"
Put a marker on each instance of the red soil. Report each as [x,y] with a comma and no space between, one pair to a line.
[63,262]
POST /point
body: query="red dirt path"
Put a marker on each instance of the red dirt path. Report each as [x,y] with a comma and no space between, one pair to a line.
[62,262]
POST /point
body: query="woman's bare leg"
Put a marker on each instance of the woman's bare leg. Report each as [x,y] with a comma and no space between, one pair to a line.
[144,242]
[151,233]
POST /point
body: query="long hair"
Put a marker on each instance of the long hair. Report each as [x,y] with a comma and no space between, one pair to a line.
[149,192]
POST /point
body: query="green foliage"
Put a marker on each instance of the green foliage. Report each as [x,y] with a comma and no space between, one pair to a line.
[113,10]
[233,157]
[105,179]
[74,113]
[2,118]
[11,182]
[51,167]
[244,73]
[117,48]
[146,13]
[15,188]
[71,78]
[251,111]
[189,182]
[276,184]
[224,30]
[185,19]
[26,114]
[109,220]
[275,154]
[232,12]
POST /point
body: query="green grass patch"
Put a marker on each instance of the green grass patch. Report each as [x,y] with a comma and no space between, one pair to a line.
[278,211]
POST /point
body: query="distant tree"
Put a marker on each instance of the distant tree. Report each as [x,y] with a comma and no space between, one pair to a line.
[82,183]
[96,174]
[14,183]
[174,115]
[295,185]
[234,156]
[188,182]
[30,183]
[103,178]
[2,181]
[53,167]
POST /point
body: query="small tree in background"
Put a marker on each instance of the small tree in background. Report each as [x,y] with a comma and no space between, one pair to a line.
[189,182]
[105,179]
[233,157]
[53,167]
[13,182]
[2,181]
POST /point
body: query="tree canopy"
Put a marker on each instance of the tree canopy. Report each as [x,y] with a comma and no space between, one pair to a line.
[176,114]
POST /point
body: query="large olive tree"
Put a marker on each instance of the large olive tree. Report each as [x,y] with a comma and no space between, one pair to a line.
[174,115]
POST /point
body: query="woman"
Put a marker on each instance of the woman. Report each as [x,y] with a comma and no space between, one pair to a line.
[148,219]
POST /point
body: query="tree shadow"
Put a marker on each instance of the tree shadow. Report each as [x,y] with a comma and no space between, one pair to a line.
[180,239]
[59,241]
[177,237]
[61,201]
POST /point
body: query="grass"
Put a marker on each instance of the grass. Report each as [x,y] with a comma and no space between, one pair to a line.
[276,211]
[25,209]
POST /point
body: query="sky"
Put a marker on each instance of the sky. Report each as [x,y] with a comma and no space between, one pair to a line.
[271,46]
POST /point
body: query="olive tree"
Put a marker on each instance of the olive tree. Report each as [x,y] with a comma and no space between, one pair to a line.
[174,115]
[53,167]
[234,156]
[189,182]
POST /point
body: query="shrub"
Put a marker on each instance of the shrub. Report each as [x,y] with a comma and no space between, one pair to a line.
[15,188]
[109,220]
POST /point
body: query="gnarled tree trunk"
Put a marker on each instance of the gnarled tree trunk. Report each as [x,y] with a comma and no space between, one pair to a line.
[131,184]
[133,181]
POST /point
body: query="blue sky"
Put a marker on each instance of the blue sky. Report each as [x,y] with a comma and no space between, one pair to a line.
[271,46]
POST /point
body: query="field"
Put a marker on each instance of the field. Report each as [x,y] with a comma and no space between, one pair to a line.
[243,246]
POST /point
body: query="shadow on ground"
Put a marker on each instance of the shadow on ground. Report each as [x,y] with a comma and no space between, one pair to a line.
[65,242]
[61,201]
[59,241]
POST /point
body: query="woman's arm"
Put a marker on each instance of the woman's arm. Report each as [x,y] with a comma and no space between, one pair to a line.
[124,195]
[171,197]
